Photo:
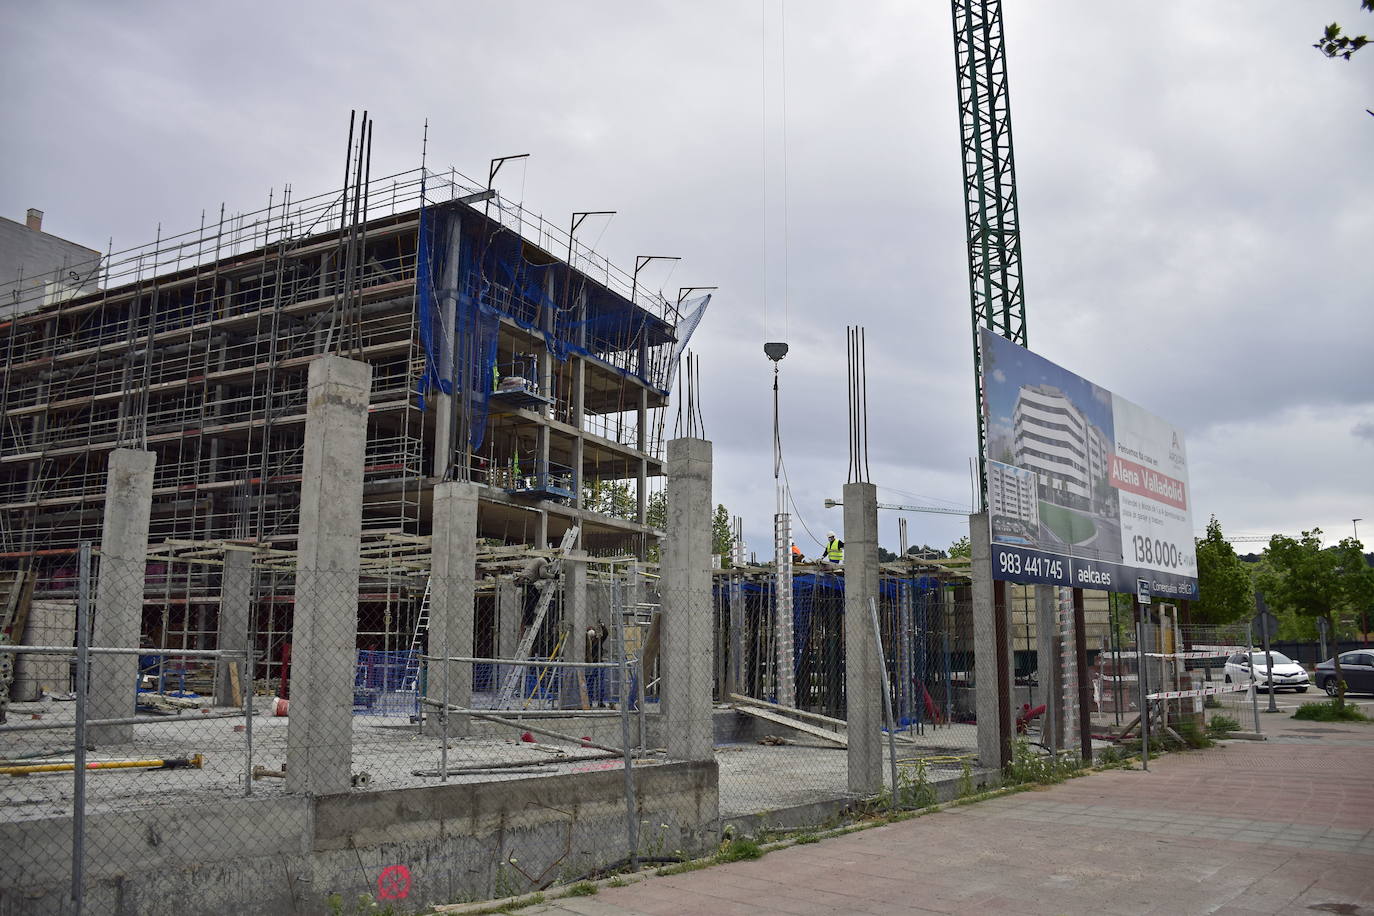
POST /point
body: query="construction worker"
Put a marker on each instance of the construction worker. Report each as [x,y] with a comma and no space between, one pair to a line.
[596,677]
[796,553]
[834,549]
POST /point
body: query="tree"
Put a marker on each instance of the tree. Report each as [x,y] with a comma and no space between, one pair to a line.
[1334,43]
[961,548]
[722,534]
[1318,582]
[1225,593]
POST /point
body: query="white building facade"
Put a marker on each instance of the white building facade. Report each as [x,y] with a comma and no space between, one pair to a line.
[1068,452]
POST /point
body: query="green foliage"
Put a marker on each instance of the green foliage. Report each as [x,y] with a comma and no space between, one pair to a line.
[615,498]
[1030,765]
[966,786]
[1221,725]
[739,850]
[807,839]
[914,788]
[1332,710]
[722,537]
[960,548]
[1334,43]
[582,889]
[1309,580]
[1110,757]
[1225,593]
[617,881]
[1192,734]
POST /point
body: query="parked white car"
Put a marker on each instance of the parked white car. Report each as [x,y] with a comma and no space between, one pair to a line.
[1287,673]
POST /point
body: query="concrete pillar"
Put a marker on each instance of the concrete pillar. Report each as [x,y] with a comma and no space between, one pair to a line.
[119,592]
[1048,689]
[686,598]
[576,618]
[863,683]
[453,548]
[235,597]
[991,670]
[509,608]
[324,628]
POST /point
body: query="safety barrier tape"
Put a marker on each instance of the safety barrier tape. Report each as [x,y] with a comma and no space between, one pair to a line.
[1199,652]
[1199,692]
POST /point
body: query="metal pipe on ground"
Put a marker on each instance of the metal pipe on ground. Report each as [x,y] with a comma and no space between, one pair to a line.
[522,726]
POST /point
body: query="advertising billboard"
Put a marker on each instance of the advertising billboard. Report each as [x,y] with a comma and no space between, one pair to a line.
[1085,489]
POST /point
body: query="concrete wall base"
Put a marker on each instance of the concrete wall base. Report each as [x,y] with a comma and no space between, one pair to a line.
[288,854]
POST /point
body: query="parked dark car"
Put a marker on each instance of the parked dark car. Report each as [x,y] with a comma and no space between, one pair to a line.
[1358,668]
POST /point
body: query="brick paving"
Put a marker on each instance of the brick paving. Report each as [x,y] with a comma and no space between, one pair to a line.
[1281,826]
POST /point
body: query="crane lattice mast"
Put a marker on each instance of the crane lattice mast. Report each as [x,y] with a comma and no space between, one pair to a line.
[991,222]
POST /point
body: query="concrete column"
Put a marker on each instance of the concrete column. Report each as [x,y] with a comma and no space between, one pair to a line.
[119,592]
[235,597]
[576,618]
[453,547]
[509,607]
[1049,689]
[686,597]
[324,627]
[863,683]
[991,674]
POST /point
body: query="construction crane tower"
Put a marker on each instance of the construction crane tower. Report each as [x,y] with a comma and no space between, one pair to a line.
[991,222]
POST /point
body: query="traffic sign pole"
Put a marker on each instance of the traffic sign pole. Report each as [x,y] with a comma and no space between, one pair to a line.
[1266,630]
[1142,597]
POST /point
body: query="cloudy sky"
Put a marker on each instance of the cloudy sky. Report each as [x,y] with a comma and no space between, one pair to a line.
[1194,182]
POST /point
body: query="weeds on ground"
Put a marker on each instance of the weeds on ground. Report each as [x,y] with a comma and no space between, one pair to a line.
[738,851]
[1221,725]
[1028,765]
[617,881]
[966,786]
[1328,711]
[806,839]
[582,889]
[914,789]
[1193,736]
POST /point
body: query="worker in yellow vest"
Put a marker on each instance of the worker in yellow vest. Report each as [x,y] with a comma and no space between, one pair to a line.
[834,549]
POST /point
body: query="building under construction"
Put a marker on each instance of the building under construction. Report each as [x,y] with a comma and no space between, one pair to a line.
[502,352]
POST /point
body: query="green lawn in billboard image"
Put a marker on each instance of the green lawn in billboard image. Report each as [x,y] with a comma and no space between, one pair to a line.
[1070,526]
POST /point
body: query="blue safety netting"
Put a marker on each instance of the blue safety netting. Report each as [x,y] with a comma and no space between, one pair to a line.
[814,595]
[471,274]
[458,332]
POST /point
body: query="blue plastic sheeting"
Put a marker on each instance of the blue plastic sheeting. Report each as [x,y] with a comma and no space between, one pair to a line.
[458,332]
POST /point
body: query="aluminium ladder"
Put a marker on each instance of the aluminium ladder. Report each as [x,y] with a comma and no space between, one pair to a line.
[522,651]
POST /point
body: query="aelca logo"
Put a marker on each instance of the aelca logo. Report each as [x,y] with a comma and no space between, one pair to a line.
[1176,450]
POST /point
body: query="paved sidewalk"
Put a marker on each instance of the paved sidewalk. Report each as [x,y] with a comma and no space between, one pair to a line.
[1281,826]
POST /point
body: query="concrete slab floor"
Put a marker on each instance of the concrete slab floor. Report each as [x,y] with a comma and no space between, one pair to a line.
[388,749]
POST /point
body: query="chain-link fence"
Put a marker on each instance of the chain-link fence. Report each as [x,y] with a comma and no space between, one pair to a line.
[425,739]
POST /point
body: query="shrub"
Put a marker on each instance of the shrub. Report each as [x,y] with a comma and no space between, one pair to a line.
[1222,725]
[1330,711]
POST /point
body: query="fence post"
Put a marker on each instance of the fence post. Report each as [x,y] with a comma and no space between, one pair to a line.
[83,645]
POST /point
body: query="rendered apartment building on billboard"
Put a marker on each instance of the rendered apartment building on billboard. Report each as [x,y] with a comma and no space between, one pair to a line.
[1066,450]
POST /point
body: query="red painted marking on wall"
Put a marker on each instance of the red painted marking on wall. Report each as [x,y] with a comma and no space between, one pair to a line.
[393,883]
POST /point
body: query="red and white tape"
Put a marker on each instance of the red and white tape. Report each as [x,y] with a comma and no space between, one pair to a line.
[1198,652]
[1199,692]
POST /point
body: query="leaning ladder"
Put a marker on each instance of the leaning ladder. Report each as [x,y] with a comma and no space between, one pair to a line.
[522,651]
[412,675]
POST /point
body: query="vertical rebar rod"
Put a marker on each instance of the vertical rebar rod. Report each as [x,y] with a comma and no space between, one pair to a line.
[622,659]
[83,645]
